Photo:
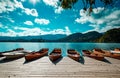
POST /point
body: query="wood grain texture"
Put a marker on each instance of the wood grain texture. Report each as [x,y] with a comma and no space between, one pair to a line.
[65,68]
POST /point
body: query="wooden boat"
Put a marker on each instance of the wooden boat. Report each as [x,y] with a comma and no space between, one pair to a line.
[117,49]
[13,55]
[115,53]
[1,55]
[101,52]
[17,49]
[73,54]
[93,55]
[35,55]
[112,54]
[55,54]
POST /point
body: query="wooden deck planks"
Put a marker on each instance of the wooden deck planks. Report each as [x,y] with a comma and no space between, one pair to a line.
[65,68]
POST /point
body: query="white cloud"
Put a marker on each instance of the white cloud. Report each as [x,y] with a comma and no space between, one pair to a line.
[57,31]
[42,21]
[18,4]
[9,6]
[101,20]
[28,23]
[21,28]
[58,10]
[34,1]
[6,6]
[28,11]
[11,33]
[60,31]
[23,0]
[33,31]
[8,18]
[32,12]
[54,4]
[27,32]
[68,32]
[108,28]
[3,26]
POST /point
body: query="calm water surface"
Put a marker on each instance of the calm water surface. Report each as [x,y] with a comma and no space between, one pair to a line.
[4,46]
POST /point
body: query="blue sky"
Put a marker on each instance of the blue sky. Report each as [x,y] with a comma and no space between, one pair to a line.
[40,17]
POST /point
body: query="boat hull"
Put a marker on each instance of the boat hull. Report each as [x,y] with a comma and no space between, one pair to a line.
[93,55]
[115,55]
[55,54]
[14,56]
[105,53]
[54,57]
[102,52]
[76,58]
[97,57]
[73,54]
[36,55]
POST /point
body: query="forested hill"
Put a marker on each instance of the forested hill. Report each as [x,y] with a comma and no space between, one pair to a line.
[111,36]
[79,37]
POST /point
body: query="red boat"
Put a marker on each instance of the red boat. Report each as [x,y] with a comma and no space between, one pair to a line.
[55,54]
[35,55]
[73,54]
[93,55]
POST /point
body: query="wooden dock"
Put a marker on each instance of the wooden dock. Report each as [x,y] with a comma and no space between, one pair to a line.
[65,68]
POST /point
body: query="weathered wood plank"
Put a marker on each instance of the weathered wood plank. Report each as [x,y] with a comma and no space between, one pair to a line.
[65,68]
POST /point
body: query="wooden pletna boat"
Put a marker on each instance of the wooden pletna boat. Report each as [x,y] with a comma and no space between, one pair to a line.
[117,49]
[15,54]
[102,52]
[113,54]
[1,55]
[55,54]
[35,55]
[17,49]
[93,55]
[73,54]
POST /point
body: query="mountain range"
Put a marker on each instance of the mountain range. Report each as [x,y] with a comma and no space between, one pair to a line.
[40,38]
[112,35]
[79,37]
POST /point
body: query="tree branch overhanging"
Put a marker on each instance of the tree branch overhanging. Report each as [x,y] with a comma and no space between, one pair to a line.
[87,4]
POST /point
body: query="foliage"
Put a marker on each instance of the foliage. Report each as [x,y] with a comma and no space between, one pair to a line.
[112,35]
[88,4]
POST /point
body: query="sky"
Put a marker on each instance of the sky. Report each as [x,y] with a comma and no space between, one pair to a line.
[41,17]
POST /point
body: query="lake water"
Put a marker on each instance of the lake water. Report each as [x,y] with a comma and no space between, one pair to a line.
[5,46]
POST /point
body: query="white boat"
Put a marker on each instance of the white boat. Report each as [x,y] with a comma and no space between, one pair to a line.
[117,52]
[15,54]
